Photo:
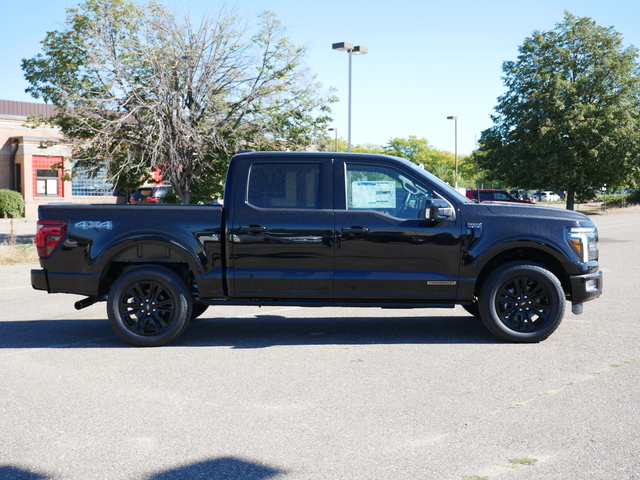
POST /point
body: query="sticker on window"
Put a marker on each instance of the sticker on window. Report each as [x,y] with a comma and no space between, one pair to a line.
[373,195]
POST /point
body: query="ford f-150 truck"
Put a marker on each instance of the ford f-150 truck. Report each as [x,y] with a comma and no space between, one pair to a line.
[321,229]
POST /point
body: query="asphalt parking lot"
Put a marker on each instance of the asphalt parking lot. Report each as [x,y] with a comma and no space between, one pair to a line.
[330,393]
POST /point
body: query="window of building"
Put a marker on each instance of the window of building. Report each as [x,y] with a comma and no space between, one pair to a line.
[47,179]
[47,182]
[90,183]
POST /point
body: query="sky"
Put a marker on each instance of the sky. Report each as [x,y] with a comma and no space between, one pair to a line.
[427,60]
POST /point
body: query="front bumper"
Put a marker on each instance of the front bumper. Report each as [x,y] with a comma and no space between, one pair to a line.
[585,287]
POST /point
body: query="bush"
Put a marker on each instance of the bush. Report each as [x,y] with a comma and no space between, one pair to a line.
[11,204]
[12,253]
[615,200]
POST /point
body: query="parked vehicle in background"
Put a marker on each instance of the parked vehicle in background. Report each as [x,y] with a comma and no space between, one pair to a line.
[490,195]
[547,196]
[522,194]
[149,194]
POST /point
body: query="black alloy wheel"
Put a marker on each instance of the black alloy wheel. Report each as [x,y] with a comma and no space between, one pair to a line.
[523,304]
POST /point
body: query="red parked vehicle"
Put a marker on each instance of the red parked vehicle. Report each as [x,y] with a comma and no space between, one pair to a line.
[488,195]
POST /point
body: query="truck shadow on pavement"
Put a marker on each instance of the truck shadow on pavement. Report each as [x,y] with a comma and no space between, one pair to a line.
[257,332]
[271,330]
[218,468]
[9,472]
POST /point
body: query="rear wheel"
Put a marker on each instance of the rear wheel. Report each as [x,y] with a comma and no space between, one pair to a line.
[521,302]
[149,306]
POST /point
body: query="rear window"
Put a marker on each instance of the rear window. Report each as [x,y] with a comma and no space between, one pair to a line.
[284,185]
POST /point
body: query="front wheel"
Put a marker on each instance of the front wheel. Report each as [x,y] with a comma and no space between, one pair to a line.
[521,302]
[149,306]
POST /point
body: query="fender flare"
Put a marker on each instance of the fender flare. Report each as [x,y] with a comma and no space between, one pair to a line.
[192,255]
[474,264]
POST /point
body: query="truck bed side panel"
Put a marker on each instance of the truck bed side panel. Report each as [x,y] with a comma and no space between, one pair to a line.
[134,234]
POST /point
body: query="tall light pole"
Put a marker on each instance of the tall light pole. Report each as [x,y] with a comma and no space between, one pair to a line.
[335,130]
[353,50]
[453,117]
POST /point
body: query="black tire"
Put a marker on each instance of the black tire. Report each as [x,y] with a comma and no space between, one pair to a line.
[149,306]
[521,302]
[198,309]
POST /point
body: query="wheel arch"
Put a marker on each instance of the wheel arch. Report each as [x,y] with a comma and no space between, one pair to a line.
[137,251]
[539,254]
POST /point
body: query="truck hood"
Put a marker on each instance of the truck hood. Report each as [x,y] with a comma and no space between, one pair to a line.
[529,211]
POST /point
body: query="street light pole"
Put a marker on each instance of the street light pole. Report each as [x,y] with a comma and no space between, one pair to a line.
[335,130]
[453,117]
[352,50]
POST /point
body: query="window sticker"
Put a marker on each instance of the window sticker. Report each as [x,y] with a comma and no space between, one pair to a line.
[366,194]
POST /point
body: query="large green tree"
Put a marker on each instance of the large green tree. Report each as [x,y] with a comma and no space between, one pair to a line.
[438,162]
[570,119]
[139,88]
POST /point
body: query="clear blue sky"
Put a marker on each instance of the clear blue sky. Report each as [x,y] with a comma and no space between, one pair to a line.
[428,59]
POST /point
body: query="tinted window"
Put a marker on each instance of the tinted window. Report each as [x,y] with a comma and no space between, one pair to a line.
[284,185]
[385,190]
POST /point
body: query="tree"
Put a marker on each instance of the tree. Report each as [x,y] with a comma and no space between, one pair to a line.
[417,150]
[570,119]
[438,162]
[137,89]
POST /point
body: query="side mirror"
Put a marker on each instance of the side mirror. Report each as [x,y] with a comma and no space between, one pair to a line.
[438,210]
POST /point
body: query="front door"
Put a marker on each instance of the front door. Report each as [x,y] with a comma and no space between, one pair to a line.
[386,249]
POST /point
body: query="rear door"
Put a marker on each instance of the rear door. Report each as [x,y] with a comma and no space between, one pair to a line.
[281,229]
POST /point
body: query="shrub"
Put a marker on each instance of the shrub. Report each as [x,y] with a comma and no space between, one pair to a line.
[11,204]
[617,200]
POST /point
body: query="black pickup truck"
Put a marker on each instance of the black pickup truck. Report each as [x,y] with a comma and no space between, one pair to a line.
[321,229]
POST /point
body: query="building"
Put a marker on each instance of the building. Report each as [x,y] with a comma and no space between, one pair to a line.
[33,162]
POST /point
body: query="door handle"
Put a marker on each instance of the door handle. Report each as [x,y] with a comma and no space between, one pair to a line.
[252,228]
[355,231]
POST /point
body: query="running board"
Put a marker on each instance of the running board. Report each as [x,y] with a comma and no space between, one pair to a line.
[326,303]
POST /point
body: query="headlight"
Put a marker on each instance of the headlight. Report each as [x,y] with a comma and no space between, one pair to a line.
[584,242]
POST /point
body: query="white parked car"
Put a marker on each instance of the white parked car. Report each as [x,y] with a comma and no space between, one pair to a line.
[547,196]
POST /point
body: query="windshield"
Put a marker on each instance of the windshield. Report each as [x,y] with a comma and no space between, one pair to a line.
[445,187]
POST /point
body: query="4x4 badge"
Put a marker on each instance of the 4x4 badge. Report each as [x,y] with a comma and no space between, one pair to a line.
[89,224]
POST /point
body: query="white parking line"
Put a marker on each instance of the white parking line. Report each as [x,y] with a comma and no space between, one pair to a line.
[4,289]
[617,225]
